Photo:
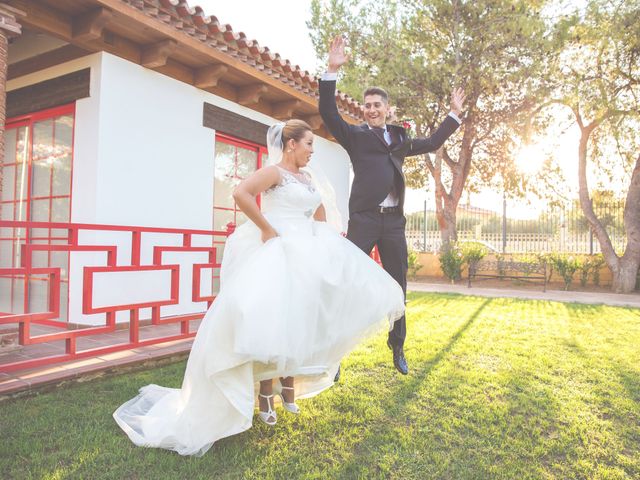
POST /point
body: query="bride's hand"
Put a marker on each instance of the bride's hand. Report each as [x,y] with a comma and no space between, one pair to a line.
[268,234]
[337,55]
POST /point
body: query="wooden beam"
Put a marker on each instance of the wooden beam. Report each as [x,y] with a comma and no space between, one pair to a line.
[89,26]
[250,94]
[314,121]
[284,110]
[45,60]
[177,70]
[43,18]
[207,77]
[224,89]
[156,55]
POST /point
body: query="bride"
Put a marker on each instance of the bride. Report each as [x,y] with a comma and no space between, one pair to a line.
[295,297]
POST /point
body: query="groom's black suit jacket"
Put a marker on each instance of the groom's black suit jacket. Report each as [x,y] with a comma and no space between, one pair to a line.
[377,167]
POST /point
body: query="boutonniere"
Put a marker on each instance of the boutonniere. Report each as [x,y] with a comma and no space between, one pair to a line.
[409,126]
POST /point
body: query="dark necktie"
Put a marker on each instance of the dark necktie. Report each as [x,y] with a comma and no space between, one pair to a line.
[379,131]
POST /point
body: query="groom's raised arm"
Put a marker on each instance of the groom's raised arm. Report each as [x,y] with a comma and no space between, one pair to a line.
[444,131]
[432,143]
[327,103]
[330,114]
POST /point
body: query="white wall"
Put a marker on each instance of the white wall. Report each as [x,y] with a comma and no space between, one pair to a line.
[143,158]
[155,157]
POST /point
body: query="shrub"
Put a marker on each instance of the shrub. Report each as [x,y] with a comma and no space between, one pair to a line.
[566,266]
[597,261]
[584,267]
[473,252]
[414,265]
[451,261]
[590,265]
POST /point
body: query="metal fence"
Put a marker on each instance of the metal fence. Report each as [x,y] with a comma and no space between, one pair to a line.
[556,229]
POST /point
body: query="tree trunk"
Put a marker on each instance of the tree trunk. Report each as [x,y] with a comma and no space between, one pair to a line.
[446,203]
[625,268]
[624,279]
[625,276]
[447,222]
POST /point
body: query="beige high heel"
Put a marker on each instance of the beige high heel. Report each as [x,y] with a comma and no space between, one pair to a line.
[271,413]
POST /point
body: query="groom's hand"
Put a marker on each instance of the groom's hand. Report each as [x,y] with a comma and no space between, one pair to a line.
[457,99]
[337,55]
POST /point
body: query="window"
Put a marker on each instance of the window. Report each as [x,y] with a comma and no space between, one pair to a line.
[234,161]
[35,185]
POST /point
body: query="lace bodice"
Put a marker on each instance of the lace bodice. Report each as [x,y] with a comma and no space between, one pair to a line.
[293,195]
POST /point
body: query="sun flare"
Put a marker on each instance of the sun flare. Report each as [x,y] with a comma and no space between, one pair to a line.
[530,159]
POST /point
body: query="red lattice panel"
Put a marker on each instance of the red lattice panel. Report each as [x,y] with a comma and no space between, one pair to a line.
[70,335]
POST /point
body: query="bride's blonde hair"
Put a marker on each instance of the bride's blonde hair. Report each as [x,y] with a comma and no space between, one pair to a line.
[294,129]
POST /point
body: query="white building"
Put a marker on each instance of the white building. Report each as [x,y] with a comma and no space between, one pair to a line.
[133,113]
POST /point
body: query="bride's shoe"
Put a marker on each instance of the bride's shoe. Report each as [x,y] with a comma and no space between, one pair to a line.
[289,407]
[269,414]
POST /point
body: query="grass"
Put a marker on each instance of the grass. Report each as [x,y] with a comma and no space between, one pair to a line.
[498,388]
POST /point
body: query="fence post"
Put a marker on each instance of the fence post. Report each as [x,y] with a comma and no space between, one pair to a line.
[504,222]
[424,228]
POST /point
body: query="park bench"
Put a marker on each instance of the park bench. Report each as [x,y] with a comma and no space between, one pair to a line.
[510,269]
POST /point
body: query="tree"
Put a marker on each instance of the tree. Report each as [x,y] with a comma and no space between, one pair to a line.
[598,80]
[496,48]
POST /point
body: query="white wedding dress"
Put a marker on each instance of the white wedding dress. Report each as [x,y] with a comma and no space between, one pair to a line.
[293,306]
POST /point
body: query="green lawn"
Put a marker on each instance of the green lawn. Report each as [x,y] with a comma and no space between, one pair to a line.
[498,388]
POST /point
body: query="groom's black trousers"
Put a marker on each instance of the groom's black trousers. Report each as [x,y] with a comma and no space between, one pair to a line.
[369,228]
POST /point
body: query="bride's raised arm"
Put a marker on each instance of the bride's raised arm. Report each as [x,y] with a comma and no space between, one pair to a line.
[245,196]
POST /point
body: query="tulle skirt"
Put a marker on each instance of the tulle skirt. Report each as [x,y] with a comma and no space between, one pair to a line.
[293,306]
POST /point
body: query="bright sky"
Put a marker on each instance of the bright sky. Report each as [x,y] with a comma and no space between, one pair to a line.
[281,26]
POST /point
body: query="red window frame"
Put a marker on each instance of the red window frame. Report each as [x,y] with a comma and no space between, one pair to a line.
[28,120]
[236,142]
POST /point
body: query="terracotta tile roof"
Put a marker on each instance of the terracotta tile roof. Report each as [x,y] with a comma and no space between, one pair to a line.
[194,22]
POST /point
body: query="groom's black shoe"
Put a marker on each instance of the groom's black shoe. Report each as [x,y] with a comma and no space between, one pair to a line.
[398,358]
[337,377]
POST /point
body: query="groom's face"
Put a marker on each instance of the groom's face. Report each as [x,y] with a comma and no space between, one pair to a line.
[376,110]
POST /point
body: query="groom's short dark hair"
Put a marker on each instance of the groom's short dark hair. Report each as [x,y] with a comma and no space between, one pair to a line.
[377,91]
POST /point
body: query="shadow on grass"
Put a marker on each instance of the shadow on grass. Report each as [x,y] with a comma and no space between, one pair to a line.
[528,432]
[630,380]
[608,391]
[620,346]
[397,403]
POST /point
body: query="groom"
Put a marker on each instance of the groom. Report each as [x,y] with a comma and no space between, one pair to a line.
[377,152]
